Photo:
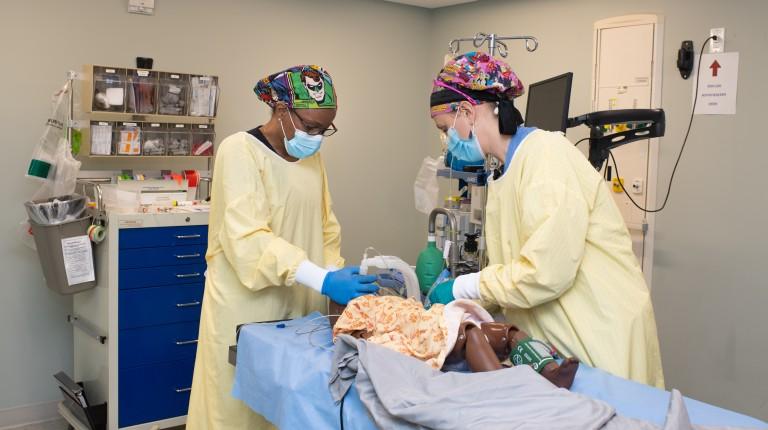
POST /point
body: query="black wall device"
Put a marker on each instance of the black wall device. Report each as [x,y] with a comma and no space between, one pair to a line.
[685,59]
[144,62]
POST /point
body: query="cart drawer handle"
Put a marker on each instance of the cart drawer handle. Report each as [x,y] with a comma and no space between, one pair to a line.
[188,236]
[186,342]
[183,256]
[188,275]
[187,305]
[184,390]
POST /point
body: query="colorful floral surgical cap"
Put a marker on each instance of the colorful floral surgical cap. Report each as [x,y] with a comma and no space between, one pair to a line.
[475,77]
[300,87]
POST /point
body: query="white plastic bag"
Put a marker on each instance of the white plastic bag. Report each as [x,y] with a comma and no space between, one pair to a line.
[43,163]
[425,188]
[52,161]
[63,178]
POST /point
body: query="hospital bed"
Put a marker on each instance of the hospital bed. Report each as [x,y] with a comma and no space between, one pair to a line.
[283,368]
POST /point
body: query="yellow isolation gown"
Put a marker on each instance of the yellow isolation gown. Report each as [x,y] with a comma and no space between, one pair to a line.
[267,216]
[561,263]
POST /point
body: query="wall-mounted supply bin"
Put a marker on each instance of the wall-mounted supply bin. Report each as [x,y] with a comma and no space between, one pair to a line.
[174,89]
[203,136]
[179,139]
[141,91]
[127,138]
[101,138]
[154,139]
[204,95]
[108,89]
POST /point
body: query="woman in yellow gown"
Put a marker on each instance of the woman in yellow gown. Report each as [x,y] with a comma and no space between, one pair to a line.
[561,264]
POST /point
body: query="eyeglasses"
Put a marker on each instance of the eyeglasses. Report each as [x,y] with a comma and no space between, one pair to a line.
[326,132]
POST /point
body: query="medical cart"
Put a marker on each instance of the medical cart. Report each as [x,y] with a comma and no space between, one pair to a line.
[135,334]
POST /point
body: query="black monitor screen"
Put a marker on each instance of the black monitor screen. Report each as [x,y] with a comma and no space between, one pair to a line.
[548,102]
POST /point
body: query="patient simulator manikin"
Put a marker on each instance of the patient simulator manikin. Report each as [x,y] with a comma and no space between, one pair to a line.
[443,336]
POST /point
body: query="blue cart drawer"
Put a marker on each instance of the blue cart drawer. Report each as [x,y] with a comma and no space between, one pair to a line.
[157,276]
[157,344]
[163,236]
[162,305]
[161,256]
[156,392]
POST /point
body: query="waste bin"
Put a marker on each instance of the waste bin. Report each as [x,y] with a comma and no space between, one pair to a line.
[66,255]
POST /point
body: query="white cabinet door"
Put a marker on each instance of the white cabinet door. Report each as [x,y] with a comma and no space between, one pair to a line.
[626,56]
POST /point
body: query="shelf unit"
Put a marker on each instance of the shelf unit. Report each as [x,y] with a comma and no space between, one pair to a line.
[87,115]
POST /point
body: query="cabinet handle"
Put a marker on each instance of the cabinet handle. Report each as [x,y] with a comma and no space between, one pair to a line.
[186,342]
[188,275]
[188,236]
[183,256]
[187,305]
[184,390]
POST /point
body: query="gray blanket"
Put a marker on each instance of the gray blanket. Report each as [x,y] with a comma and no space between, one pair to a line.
[401,392]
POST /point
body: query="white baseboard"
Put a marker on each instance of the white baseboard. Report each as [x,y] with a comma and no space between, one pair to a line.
[29,414]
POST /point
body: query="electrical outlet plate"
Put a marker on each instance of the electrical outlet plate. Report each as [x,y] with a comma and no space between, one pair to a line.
[618,185]
[716,46]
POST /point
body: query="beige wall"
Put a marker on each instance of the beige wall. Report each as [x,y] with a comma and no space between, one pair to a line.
[371,48]
[709,285]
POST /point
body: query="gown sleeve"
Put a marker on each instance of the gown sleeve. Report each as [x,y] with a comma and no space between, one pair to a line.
[331,230]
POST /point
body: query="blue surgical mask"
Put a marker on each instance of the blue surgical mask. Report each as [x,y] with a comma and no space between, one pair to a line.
[301,145]
[464,149]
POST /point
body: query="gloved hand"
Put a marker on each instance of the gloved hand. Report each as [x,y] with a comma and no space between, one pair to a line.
[347,284]
[442,293]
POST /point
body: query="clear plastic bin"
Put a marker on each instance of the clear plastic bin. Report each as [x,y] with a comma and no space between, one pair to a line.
[172,98]
[154,139]
[141,91]
[108,89]
[127,138]
[204,95]
[101,138]
[202,140]
[179,139]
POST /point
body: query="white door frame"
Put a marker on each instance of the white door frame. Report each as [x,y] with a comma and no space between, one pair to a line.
[653,145]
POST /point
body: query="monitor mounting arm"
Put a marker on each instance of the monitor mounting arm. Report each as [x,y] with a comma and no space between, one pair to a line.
[641,124]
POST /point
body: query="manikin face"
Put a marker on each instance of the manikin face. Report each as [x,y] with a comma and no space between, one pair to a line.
[315,88]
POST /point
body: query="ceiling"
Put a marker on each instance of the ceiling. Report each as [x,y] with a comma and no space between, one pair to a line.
[431,4]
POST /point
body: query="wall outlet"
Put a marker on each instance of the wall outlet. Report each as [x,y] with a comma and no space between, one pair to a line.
[618,185]
[716,46]
[637,186]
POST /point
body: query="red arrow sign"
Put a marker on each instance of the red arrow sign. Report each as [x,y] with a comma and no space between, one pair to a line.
[715,67]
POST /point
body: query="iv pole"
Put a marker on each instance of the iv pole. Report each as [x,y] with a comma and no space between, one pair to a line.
[494,43]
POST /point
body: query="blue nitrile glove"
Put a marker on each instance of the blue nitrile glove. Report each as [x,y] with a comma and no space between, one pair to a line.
[347,284]
[443,293]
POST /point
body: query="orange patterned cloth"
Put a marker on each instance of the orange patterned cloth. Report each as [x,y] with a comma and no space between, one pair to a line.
[402,325]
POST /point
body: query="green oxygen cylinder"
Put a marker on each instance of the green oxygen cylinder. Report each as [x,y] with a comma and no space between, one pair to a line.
[429,265]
